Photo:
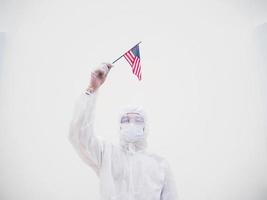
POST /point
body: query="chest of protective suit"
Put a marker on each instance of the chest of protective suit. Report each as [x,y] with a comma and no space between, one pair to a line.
[132,176]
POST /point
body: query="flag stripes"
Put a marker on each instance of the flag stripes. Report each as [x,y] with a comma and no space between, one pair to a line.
[133,58]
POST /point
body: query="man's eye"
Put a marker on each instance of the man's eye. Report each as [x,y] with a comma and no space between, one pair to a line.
[139,120]
[124,120]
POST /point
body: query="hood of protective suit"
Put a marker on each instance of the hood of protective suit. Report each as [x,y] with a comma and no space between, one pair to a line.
[136,138]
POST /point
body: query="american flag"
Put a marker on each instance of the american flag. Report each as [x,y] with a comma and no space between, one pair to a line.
[133,58]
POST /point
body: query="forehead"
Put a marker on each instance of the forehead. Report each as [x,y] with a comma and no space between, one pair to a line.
[132,114]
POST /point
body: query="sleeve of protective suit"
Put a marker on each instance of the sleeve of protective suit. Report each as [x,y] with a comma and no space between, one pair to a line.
[81,134]
[169,191]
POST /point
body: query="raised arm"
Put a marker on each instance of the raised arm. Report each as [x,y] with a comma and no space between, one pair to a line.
[81,134]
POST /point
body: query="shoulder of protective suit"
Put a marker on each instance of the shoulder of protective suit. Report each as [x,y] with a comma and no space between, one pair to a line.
[157,157]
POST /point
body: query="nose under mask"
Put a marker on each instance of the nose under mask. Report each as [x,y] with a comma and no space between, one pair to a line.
[132,132]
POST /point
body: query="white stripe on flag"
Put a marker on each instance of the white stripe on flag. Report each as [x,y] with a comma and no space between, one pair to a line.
[128,54]
[138,66]
[132,55]
[128,59]
[138,69]
[134,65]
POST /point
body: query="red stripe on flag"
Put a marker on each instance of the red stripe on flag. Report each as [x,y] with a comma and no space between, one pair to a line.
[138,69]
[135,65]
[138,66]
[132,55]
[129,57]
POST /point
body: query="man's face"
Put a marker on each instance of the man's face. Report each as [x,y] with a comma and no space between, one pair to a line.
[132,127]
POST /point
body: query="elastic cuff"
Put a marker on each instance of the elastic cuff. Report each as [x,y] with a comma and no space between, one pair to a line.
[88,92]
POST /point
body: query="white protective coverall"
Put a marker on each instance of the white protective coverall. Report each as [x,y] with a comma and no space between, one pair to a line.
[126,171]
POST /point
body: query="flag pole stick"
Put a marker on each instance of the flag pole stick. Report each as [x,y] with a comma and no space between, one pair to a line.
[125,52]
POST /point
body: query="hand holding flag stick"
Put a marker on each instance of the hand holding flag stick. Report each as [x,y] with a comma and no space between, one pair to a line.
[133,58]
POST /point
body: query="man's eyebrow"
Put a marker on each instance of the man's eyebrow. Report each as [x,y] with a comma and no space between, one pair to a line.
[133,113]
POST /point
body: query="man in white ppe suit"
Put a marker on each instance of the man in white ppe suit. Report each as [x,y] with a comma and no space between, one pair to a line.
[126,171]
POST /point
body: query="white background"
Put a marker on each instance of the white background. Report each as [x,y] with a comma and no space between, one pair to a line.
[204,89]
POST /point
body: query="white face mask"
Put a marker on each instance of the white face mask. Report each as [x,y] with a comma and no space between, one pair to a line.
[132,132]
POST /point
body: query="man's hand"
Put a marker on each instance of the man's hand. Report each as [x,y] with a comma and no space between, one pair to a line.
[98,76]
